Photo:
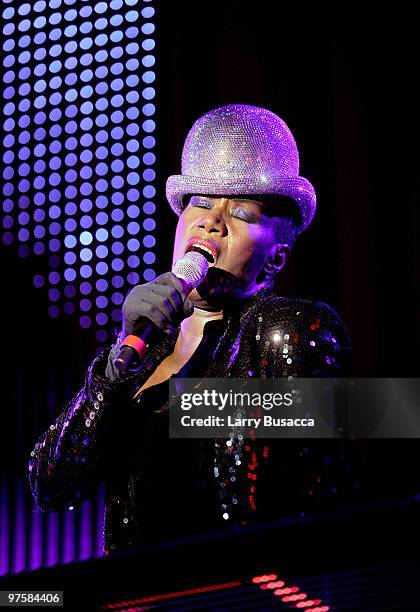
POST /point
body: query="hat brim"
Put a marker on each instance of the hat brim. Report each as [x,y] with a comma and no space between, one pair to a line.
[297,188]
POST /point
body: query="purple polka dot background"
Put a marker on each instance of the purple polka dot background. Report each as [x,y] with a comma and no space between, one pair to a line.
[79,151]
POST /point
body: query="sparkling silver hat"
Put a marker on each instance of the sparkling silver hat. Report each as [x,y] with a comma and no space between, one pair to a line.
[241,150]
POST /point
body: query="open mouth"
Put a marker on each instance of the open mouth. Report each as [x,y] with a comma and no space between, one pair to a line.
[208,248]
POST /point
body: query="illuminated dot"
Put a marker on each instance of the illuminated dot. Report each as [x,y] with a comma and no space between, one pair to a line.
[148,28]
[148,109]
[132,32]
[69,291]
[85,271]
[117,264]
[86,237]
[148,93]
[101,284]
[102,301]
[149,224]
[39,248]
[101,121]
[85,321]
[117,149]
[70,208]
[133,261]
[54,245]
[133,278]
[117,298]
[54,229]
[39,231]
[117,198]
[132,112]
[149,257]
[70,274]
[85,288]
[148,61]
[70,258]
[149,274]
[86,222]
[101,251]
[102,268]
[133,228]
[101,235]
[54,278]
[117,182]
[117,215]
[54,212]
[117,248]
[149,208]
[7,206]
[39,183]
[133,211]
[71,192]
[85,254]
[149,142]
[133,245]
[85,305]
[101,318]
[38,280]
[148,77]
[54,311]
[117,231]
[117,282]
[23,235]
[54,295]
[7,238]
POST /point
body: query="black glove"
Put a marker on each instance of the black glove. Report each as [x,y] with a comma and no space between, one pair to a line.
[163,301]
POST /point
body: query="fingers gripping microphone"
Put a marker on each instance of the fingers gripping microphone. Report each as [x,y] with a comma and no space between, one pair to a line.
[191,269]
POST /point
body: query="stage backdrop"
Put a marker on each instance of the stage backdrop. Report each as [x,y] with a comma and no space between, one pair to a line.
[78,205]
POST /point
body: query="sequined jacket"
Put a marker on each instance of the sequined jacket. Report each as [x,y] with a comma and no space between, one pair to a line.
[158,488]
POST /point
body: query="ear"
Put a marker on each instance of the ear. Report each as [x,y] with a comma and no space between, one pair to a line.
[276,260]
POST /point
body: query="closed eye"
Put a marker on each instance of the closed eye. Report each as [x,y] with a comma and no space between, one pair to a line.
[200,203]
[245,215]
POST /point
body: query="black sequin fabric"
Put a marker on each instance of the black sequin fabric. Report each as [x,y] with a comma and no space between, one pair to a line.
[159,488]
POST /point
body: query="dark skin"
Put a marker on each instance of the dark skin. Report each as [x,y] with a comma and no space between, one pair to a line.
[245,233]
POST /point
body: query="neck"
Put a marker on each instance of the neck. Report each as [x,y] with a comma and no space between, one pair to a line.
[194,325]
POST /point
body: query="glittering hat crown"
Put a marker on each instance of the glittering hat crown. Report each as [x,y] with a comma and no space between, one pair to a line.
[241,150]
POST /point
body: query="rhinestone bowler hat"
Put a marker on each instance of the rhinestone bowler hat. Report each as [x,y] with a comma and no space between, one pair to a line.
[241,150]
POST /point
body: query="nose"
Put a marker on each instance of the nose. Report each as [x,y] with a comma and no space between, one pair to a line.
[212,220]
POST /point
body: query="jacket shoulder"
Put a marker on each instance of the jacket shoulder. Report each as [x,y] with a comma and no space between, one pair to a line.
[311,333]
[301,311]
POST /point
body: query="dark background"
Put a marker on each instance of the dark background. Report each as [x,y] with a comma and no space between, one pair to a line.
[346,85]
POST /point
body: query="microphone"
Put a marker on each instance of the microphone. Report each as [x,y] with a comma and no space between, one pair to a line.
[191,269]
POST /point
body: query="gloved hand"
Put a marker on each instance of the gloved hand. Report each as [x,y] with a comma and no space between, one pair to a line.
[162,301]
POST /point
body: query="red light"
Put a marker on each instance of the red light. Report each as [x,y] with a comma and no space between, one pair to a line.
[264,578]
[290,594]
[279,592]
[308,602]
[275,585]
[163,596]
